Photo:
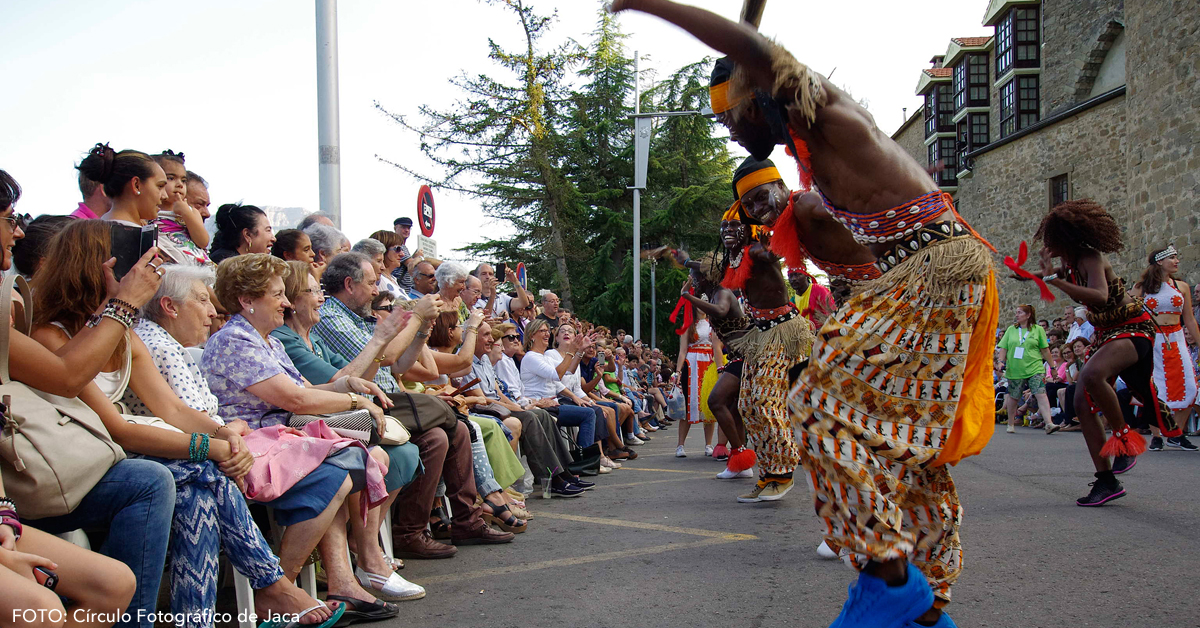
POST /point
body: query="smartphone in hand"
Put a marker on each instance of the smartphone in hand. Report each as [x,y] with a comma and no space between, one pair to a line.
[45,577]
[129,243]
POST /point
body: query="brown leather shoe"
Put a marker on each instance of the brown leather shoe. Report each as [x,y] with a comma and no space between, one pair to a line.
[483,535]
[422,546]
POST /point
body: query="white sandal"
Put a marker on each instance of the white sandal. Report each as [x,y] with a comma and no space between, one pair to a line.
[393,588]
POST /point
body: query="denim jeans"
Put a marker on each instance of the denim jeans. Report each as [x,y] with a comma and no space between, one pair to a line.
[578,416]
[612,405]
[134,501]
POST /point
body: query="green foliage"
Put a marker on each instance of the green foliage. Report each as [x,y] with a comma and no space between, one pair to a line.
[548,149]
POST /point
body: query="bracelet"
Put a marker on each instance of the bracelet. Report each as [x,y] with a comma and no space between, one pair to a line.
[7,504]
[117,317]
[13,523]
[124,304]
[380,358]
[198,448]
[422,334]
[1050,277]
[353,401]
[473,330]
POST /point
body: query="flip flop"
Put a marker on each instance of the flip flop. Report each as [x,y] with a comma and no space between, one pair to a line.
[337,615]
[363,611]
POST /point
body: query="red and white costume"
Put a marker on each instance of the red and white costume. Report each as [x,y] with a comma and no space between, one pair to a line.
[1174,376]
[699,356]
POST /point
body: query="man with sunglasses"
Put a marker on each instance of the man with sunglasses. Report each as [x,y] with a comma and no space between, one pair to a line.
[423,281]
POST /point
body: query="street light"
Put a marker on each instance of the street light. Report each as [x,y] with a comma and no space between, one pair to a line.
[641,158]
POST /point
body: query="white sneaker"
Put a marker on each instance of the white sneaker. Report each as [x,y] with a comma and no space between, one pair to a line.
[730,475]
[603,469]
[708,449]
[609,463]
[393,588]
[679,452]
[826,552]
[632,440]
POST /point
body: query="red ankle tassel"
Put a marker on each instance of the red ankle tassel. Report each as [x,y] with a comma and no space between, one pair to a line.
[741,459]
[720,450]
[1124,442]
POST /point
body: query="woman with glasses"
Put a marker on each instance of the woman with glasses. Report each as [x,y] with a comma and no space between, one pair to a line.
[393,258]
[308,352]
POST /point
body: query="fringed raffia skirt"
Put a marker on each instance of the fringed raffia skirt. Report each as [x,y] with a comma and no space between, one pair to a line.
[900,384]
[772,348]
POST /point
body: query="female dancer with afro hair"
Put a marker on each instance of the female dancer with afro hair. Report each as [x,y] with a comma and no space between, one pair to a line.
[1080,233]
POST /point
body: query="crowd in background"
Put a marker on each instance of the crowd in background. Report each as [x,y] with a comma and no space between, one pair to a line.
[205,365]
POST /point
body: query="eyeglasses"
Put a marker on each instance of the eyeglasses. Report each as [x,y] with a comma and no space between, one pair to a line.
[384,308]
[316,292]
[510,337]
[424,274]
[17,221]
[397,249]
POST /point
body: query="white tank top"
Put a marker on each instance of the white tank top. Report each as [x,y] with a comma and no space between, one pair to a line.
[1168,300]
[111,384]
[703,333]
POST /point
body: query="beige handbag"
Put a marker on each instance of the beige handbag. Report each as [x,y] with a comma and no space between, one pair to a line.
[53,450]
[394,432]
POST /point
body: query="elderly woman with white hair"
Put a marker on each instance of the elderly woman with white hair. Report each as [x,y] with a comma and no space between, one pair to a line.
[326,242]
[451,279]
[209,510]
[177,317]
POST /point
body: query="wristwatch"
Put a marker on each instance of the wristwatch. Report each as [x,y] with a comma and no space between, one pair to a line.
[1050,277]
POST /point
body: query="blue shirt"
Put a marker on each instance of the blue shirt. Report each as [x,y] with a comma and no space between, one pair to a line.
[346,334]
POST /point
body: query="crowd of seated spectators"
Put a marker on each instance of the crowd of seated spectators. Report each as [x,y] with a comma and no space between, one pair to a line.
[203,359]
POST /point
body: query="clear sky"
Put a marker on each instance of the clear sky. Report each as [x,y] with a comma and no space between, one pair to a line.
[233,85]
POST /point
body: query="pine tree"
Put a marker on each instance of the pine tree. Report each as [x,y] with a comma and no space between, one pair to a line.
[501,144]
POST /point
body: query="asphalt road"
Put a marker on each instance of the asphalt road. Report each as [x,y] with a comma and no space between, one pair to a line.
[662,543]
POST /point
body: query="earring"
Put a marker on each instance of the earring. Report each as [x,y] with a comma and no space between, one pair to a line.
[251,310]
[137,192]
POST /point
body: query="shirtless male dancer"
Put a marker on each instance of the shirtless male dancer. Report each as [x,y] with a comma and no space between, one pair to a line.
[777,340]
[899,384]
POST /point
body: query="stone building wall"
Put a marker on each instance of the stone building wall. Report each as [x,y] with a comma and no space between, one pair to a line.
[1071,30]
[911,137]
[1163,167]
[1008,192]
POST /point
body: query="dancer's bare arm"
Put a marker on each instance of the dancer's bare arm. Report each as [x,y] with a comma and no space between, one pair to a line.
[1091,263]
[741,42]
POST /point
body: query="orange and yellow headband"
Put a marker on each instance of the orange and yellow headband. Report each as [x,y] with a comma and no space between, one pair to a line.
[718,95]
[755,179]
[735,213]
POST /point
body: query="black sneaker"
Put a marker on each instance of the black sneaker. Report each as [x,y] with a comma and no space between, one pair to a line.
[1121,464]
[1156,444]
[567,490]
[1102,492]
[583,484]
[1181,442]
